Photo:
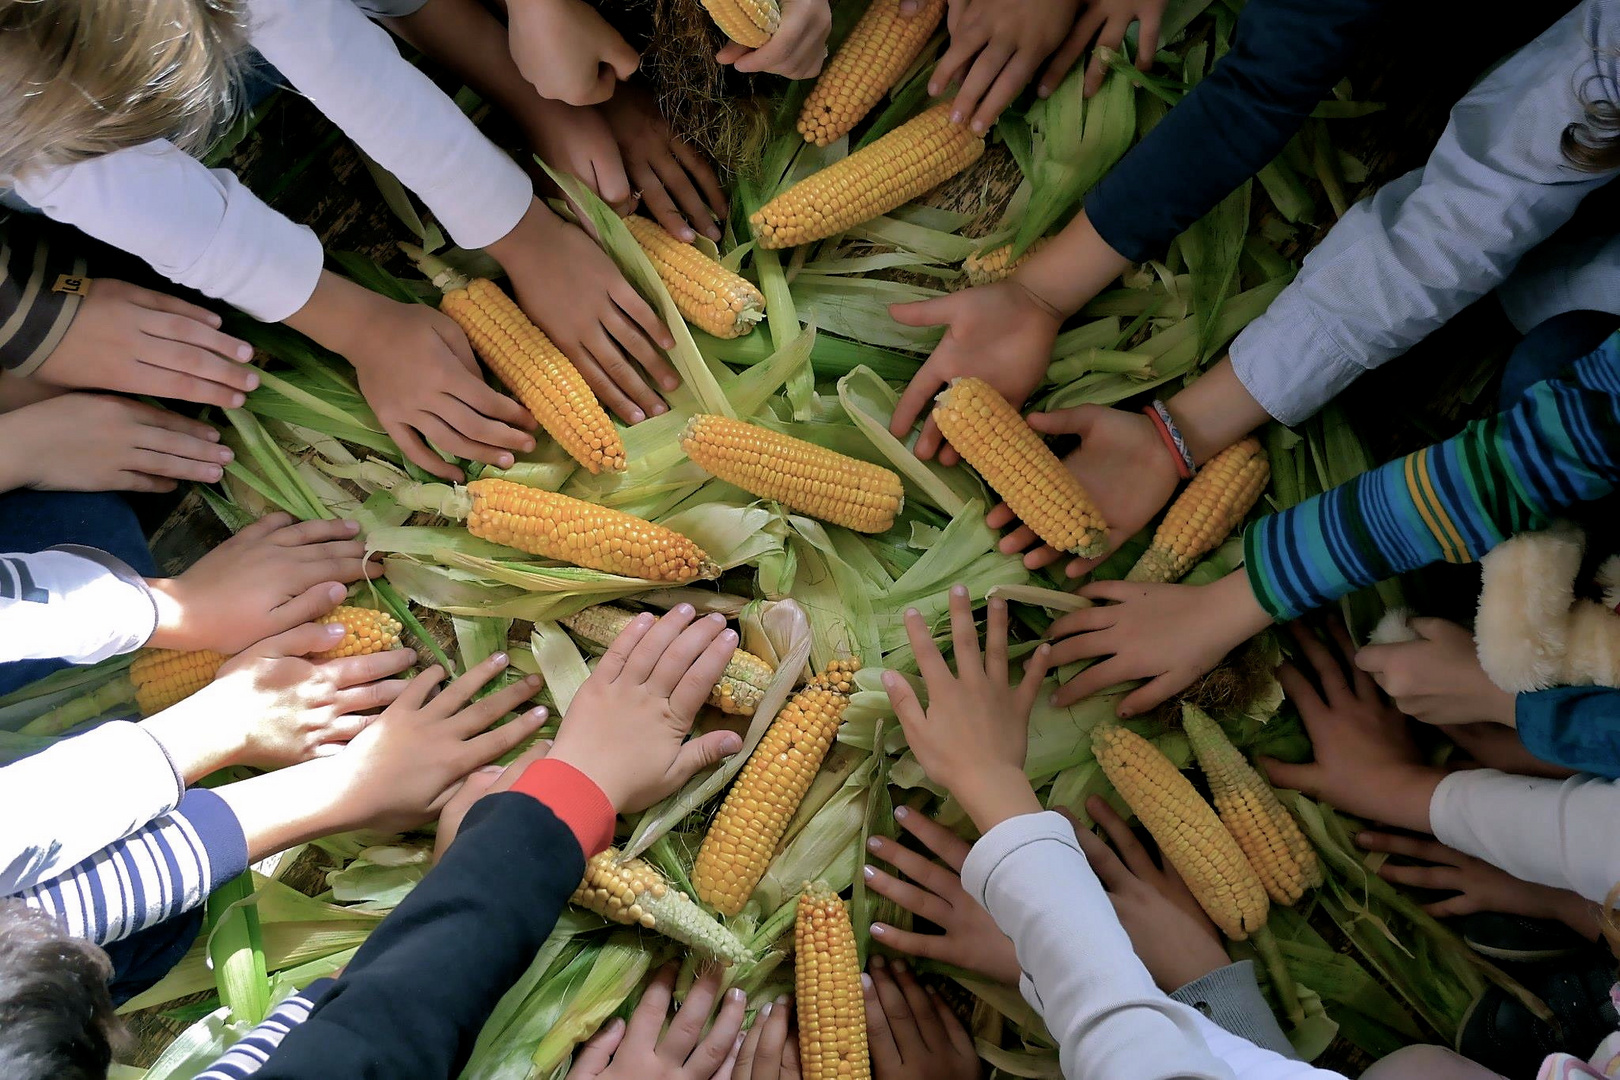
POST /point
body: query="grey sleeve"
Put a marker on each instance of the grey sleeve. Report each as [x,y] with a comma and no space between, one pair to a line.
[1230,997]
[389,9]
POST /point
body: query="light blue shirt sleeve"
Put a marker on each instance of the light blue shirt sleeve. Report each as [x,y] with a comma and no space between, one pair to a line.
[1400,264]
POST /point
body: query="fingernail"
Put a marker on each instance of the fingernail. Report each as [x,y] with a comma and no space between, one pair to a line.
[637,416]
[334,630]
[244,353]
[891,679]
[729,637]
[335,593]
[670,382]
[504,461]
[212,435]
[351,524]
[1126,714]
[688,235]
[499,659]
[980,127]
[869,872]
[684,609]
[252,382]
[782,999]
[238,400]
[900,965]
[958,590]
[225,455]
[879,963]
[1043,91]
[765,1013]
[878,929]
[913,613]
[734,994]
[532,680]
[410,655]
[902,812]
[731,745]
[866,980]
[660,409]
[874,843]
[956,116]
[714,616]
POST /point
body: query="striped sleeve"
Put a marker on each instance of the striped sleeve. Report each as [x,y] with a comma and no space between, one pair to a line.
[40,289]
[157,872]
[248,1056]
[1451,502]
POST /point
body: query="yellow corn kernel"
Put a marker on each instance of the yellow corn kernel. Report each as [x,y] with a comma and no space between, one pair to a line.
[877,52]
[741,841]
[1013,459]
[533,368]
[365,632]
[634,893]
[800,475]
[986,267]
[165,677]
[709,296]
[574,531]
[827,986]
[1215,503]
[1186,829]
[747,22]
[909,161]
[739,690]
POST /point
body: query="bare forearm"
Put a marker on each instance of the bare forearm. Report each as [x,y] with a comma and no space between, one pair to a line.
[464,37]
[1076,266]
[1215,411]
[291,806]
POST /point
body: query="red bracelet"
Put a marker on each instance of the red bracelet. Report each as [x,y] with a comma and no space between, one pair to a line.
[1182,469]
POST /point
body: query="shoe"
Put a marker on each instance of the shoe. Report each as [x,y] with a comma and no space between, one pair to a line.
[1500,1033]
[1518,939]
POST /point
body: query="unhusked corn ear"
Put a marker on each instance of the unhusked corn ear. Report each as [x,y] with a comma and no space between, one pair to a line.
[739,690]
[1213,504]
[909,161]
[365,632]
[805,477]
[636,894]
[742,839]
[747,22]
[1187,831]
[533,368]
[711,297]
[165,677]
[827,986]
[1267,833]
[985,267]
[1015,461]
[574,531]
[881,47]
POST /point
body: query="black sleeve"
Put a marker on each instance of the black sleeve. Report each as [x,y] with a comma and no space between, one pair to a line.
[1286,56]
[413,1000]
[40,289]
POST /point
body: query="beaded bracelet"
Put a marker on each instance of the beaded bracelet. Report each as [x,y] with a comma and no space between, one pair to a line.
[1160,415]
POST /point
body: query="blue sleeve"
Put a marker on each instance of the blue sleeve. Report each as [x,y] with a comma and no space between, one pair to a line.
[1577,727]
[248,1056]
[1285,58]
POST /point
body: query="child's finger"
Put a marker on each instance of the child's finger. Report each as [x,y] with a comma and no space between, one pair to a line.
[447,438]
[902,1020]
[648,1020]
[677,662]
[721,1042]
[1084,621]
[880,1040]
[1132,852]
[479,715]
[1035,669]
[927,946]
[350,671]
[1422,877]
[1298,689]
[929,661]
[1110,870]
[707,749]
[702,173]
[372,695]
[951,1024]
[996,667]
[260,529]
[480,427]
[1361,684]
[1068,54]
[700,679]
[419,454]
[420,688]
[302,640]
[1411,847]
[922,1009]
[1451,906]
[632,304]
[461,691]
[613,399]
[608,349]
[1008,85]
[1093,680]
[678,185]
[964,631]
[1329,674]
[638,341]
[1154,693]
[317,531]
[917,901]
[761,1055]
[953,65]
[1147,35]
[497,743]
[950,848]
[1305,778]
[612,663]
[924,871]
[903,699]
[596,1054]
[687,1027]
[640,664]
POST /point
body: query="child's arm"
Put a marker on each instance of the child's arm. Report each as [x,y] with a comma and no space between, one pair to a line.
[1577,727]
[117,444]
[251,1052]
[75,604]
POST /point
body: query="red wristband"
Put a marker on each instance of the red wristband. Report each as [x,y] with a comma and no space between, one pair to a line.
[574,798]
[1169,442]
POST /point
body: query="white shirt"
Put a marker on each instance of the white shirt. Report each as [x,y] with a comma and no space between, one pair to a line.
[71,603]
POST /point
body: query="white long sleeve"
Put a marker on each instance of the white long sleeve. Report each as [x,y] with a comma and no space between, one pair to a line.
[1558,833]
[72,603]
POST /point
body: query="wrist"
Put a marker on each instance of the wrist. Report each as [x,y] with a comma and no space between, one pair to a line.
[1244,614]
[171,631]
[991,796]
[14,454]
[341,316]
[1073,268]
[1409,794]
[1507,712]
[532,232]
[197,738]
[1215,412]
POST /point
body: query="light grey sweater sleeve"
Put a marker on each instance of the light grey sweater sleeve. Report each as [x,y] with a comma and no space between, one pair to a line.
[1231,997]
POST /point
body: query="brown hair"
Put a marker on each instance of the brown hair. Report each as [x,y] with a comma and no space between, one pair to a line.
[81,78]
[1592,144]
[56,1018]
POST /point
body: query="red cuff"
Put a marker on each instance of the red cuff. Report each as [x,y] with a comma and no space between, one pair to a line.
[575,799]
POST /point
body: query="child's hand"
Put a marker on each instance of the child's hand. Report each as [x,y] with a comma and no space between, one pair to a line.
[771,1049]
[575,293]
[1167,634]
[1492,746]
[568,51]
[996,48]
[797,49]
[1107,21]
[971,938]
[1366,762]
[913,1034]
[975,733]
[270,577]
[1172,936]
[1438,678]
[1000,332]
[488,780]
[136,341]
[627,727]
[1123,465]
[678,187]
[577,140]
[638,1052]
[94,442]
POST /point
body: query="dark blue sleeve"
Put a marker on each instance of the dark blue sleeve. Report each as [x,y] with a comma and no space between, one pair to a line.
[1577,727]
[1286,56]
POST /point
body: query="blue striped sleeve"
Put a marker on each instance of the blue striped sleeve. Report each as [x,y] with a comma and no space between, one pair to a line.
[157,872]
[1450,502]
[249,1055]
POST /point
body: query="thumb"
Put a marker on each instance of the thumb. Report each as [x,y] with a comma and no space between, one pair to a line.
[731,52]
[705,750]
[904,700]
[908,8]
[597,1052]
[1281,774]
[621,57]
[309,605]
[936,311]
[456,339]
[1076,421]
[1429,628]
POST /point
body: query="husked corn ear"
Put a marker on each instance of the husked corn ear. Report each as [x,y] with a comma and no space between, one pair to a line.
[1267,833]
[1213,504]
[881,47]
[1187,831]
[365,632]
[1015,461]
[533,368]
[909,161]
[747,22]
[713,298]
[574,531]
[739,690]
[636,894]
[985,267]
[742,839]
[805,477]
[827,986]
[166,677]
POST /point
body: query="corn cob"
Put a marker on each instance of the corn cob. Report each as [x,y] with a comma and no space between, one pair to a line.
[571,530]
[909,161]
[827,984]
[1267,833]
[366,632]
[636,894]
[801,475]
[1013,459]
[165,677]
[742,839]
[739,690]
[985,267]
[1215,503]
[880,49]
[747,22]
[1187,831]
[713,298]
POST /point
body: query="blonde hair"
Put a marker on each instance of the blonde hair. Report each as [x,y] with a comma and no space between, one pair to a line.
[81,78]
